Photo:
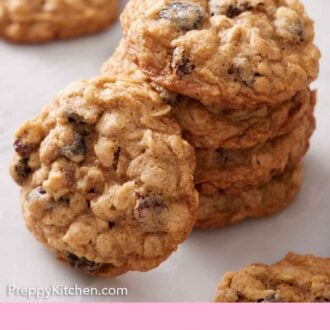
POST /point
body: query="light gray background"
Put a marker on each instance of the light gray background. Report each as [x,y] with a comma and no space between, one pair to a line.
[31,75]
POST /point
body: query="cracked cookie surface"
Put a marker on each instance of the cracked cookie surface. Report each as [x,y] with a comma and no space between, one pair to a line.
[296,278]
[34,21]
[208,127]
[238,168]
[247,168]
[219,208]
[107,180]
[224,52]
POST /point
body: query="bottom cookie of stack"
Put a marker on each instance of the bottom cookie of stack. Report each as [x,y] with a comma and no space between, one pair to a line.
[219,209]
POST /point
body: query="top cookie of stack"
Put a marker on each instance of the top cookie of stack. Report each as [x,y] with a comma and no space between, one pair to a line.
[224,53]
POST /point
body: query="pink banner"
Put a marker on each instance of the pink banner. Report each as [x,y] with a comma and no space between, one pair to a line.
[164,316]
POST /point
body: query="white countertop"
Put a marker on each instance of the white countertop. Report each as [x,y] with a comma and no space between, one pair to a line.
[31,75]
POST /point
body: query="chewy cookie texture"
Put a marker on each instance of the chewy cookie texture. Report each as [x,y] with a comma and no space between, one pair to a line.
[294,279]
[34,21]
[222,64]
[201,117]
[251,167]
[219,209]
[224,52]
[106,178]
[212,127]
[238,183]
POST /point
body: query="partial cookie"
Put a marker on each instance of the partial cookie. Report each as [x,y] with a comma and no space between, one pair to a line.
[33,21]
[294,279]
[247,168]
[219,208]
[120,65]
[224,52]
[107,179]
[209,127]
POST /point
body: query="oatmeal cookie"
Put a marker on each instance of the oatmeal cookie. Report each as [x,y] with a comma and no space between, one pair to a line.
[208,127]
[220,208]
[247,168]
[107,179]
[224,52]
[34,21]
[296,278]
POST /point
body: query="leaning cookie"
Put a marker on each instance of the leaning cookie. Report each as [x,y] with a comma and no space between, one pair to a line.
[224,52]
[219,208]
[296,278]
[209,127]
[25,21]
[248,168]
[107,179]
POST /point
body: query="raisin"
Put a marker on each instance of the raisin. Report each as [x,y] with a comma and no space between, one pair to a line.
[83,263]
[268,299]
[149,210]
[247,78]
[223,154]
[185,68]
[111,224]
[240,296]
[116,156]
[36,194]
[73,117]
[232,70]
[79,122]
[186,16]
[41,190]
[236,10]
[22,168]
[149,202]
[76,151]
[181,63]
[23,148]
[322,299]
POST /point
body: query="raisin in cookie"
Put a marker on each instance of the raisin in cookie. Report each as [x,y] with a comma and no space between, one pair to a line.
[224,52]
[34,21]
[247,168]
[209,127]
[219,208]
[107,179]
[296,278]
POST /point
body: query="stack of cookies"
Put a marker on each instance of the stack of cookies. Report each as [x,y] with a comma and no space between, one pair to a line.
[107,169]
[237,75]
